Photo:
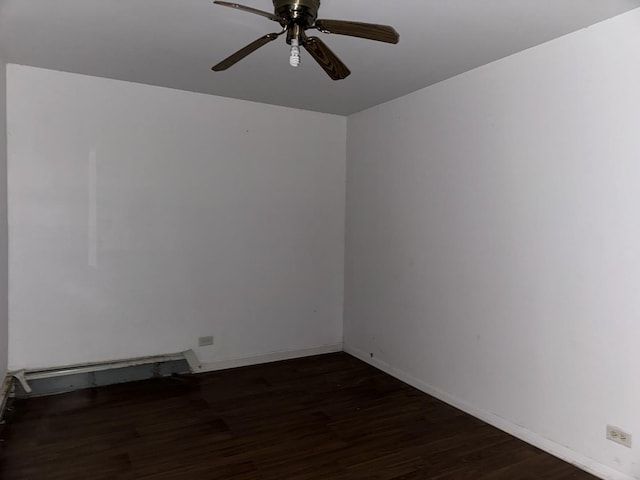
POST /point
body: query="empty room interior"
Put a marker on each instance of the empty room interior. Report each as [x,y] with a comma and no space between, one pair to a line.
[415,255]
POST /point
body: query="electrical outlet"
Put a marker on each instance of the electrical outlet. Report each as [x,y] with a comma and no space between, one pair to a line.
[617,435]
[205,341]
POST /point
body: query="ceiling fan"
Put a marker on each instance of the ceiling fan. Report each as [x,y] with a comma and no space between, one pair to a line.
[296,17]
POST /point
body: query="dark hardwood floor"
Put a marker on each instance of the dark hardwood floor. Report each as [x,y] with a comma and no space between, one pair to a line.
[326,417]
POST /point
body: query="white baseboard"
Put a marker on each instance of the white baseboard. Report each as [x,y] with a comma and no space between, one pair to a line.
[269,357]
[584,463]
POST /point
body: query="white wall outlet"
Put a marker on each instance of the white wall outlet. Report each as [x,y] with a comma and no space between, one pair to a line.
[205,341]
[617,435]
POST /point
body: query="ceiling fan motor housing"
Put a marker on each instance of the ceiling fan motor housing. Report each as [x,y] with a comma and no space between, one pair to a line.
[297,12]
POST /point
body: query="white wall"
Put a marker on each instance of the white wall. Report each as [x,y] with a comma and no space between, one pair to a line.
[493,242]
[4,311]
[142,218]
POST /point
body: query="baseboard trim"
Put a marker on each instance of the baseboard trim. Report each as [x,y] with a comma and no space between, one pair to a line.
[269,357]
[584,463]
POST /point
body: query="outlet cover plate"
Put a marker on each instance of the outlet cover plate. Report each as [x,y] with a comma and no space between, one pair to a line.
[618,435]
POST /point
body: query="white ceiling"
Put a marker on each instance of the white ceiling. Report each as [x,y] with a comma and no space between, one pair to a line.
[174,43]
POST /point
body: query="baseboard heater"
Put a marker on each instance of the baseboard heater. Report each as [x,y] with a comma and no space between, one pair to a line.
[30,383]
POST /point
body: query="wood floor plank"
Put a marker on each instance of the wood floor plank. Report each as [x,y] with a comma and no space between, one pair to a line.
[329,417]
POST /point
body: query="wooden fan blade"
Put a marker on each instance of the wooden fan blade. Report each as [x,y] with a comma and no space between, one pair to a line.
[243,52]
[326,58]
[270,16]
[370,31]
